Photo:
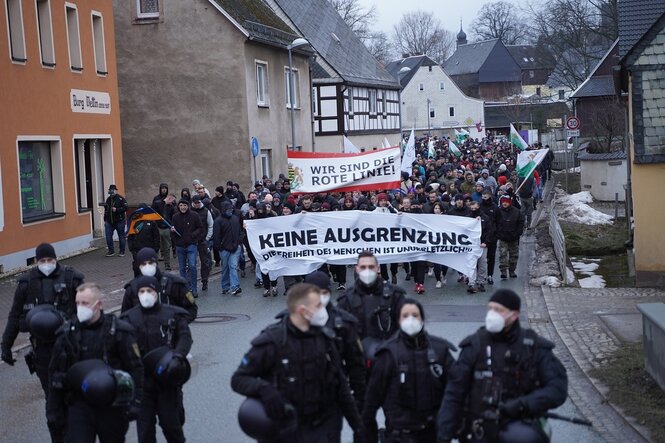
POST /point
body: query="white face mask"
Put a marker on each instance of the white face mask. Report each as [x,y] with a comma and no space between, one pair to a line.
[367,276]
[325,299]
[148,270]
[494,322]
[84,313]
[147,299]
[320,317]
[46,268]
[411,326]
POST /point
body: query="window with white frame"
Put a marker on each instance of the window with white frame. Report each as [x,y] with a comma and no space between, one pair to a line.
[384,104]
[451,111]
[16,35]
[147,9]
[442,86]
[99,45]
[432,113]
[265,158]
[372,101]
[45,29]
[350,99]
[262,83]
[421,87]
[291,80]
[73,37]
[37,169]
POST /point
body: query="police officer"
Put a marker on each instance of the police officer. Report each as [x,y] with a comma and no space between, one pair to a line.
[49,283]
[156,326]
[505,375]
[293,364]
[173,288]
[408,380]
[93,335]
[145,235]
[345,327]
[374,303]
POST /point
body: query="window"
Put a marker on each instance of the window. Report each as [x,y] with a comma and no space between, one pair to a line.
[73,38]
[350,100]
[442,86]
[147,8]
[538,91]
[36,178]
[451,111]
[430,68]
[562,94]
[432,113]
[16,36]
[292,89]
[266,162]
[262,83]
[45,28]
[98,40]
[532,74]
[384,104]
[372,101]
[421,87]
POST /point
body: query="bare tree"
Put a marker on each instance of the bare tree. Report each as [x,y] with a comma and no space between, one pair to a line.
[607,124]
[356,16]
[500,20]
[421,32]
[380,46]
[577,32]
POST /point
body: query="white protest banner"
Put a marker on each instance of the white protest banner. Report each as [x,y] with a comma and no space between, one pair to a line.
[311,172]
[299,244]
[409,153]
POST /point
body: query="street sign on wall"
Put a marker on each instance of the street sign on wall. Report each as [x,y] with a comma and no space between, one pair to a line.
[572,123]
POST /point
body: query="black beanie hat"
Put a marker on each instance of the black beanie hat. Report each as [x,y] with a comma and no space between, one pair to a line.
[45,250]
[507,298]
[147,282]
[146,254]
[184,200]
[319,279]
[220,189]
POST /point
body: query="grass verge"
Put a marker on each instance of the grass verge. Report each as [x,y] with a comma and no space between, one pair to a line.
[633,390]
[597,240]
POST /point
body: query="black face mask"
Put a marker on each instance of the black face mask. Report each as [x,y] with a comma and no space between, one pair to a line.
[475,212]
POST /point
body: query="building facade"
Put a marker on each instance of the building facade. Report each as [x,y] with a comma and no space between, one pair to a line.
[432,102]
[199,79]
[60,140]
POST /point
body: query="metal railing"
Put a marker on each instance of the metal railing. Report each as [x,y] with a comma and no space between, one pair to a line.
[559,243]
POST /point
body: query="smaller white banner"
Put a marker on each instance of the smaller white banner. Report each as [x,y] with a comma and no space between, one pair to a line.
[300,243]
[90,102]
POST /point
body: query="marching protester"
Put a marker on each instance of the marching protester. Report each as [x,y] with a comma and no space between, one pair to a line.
[44,299]
[164,339]
[205,237]
[173,289]
[509,227]
[295,370]
[227,239]
[102,350]
[407,380]
[479,278]
[188,230]
[164,204]
[505,379]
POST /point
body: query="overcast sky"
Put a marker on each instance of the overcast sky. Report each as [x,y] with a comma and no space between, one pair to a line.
[389,12]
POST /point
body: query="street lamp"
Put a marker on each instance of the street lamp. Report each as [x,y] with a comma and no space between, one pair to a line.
[403,71]
[428,115]
[294,44]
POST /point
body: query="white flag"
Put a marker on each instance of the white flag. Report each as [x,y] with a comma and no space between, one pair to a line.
[350,148]
[528,161]
[386,143]
[409,155]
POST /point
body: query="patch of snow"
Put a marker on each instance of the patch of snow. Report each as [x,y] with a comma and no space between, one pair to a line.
[594,281]
[570,276]
[584,268]
[574,208]
[547,280]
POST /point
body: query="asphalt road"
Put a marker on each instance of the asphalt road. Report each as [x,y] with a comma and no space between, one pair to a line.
[219,345]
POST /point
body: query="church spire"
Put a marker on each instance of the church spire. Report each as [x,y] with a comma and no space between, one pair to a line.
[461,35]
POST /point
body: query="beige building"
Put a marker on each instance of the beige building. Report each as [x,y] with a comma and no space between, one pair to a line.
[198,80]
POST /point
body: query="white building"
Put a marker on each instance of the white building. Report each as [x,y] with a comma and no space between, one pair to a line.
[431,101]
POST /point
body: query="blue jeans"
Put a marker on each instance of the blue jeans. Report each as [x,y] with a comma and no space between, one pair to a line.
[230,269]
[118,227]
[187,259]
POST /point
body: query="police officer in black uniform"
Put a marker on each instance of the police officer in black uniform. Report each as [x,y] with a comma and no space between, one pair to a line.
[49,283]
[93,335]
[345,327]
[374,303]
[408,380]
[145,235]
[173,288]
[505,380]
[158,326]
[294,364]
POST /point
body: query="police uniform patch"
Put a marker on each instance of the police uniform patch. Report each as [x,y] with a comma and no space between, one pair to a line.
[136,349]
[190,297]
